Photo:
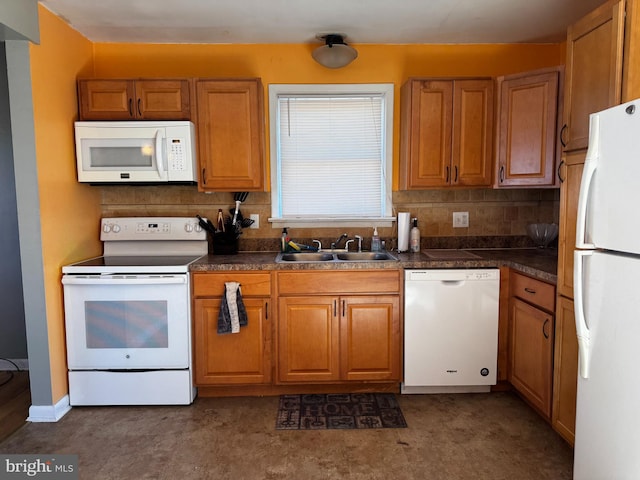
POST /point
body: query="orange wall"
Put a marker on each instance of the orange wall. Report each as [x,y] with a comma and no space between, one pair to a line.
[289,63]
[69,212]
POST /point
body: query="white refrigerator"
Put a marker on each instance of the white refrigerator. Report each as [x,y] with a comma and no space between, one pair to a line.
[607,299]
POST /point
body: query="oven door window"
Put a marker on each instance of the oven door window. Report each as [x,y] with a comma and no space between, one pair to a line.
[127,323]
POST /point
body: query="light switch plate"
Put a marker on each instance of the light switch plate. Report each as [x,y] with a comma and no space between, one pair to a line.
[256,220]
[460,219]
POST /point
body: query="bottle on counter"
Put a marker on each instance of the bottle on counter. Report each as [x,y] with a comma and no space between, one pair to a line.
[375,241]
[414,238]
[284,240]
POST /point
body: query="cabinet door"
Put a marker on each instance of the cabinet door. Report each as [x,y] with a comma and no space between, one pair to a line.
[106,99]
[531,358]
[370,338]
[234,358]
[162,100]
[593,70]
[230,135]
[565,375]
[570,177]
[308,339]
[527,130]
[426,138]
[472,150]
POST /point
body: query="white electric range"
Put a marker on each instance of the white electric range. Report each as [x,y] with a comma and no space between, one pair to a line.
[128,315]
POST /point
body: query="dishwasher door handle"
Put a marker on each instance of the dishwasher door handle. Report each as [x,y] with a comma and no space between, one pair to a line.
[452,283]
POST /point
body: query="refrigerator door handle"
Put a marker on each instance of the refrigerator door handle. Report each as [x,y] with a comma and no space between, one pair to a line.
[582,329]
[590,167]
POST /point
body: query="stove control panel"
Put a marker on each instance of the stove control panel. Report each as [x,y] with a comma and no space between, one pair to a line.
[151,228]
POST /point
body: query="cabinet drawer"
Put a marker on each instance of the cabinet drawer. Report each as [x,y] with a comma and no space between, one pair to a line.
[212,284]
[338,282]
[533,291]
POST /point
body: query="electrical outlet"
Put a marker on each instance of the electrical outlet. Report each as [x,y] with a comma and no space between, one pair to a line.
[256,220]
[460,219]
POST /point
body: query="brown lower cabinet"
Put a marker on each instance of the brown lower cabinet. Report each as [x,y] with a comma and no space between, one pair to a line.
[531,340]
[233,358]
[336,338]
[565,371]
[327,335]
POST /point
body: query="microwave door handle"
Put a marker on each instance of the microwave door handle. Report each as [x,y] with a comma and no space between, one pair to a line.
[158,152]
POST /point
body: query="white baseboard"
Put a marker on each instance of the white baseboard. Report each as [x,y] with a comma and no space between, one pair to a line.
[22,363]
[49,413]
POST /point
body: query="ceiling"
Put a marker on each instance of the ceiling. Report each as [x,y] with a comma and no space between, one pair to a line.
[299,21]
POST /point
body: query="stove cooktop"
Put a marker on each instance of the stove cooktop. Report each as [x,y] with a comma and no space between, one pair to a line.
[133,264]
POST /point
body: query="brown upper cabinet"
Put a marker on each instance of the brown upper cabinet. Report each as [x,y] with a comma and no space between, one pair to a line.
[446,133]
[527,124]
[127,99]
[231,134]
[593,70]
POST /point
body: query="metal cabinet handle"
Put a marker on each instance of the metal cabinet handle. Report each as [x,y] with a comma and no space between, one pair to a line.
[131,107]
[502,174]
[564,128]
[455,180]
[447,175]
[344,307]
[335,308]
[139,105]
[559,170]
[266,310]
[544,332]
[204,177]
[530,290]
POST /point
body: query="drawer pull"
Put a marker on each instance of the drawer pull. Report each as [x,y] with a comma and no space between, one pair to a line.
[335,308]
[266,310]
[544,331]
[530,290]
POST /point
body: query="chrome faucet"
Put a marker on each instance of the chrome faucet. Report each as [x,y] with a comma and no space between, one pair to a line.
[319,244]
[337,242]
[359,238]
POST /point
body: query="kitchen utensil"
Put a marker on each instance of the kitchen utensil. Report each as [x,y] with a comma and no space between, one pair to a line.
[240,196]
[246,222]
[205,224]
[235,214]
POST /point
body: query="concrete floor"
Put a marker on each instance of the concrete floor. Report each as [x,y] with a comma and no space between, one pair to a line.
[465,436]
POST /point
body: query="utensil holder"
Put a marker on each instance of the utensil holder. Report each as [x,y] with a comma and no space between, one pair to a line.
[223,243]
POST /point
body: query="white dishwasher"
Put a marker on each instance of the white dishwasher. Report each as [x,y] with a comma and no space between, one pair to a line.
[450,330]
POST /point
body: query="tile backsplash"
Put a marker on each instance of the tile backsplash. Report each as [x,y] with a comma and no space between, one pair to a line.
[495,216]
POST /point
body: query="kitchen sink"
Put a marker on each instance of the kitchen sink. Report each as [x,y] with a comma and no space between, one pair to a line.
[304,257]
[335,257]
[365,256]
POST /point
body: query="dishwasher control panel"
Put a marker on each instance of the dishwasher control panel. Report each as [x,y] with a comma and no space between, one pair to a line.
[452,274]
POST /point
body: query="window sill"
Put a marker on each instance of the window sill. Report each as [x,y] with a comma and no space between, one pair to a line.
[331,222]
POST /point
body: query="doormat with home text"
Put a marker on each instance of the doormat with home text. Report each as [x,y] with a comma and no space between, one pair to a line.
[339,411]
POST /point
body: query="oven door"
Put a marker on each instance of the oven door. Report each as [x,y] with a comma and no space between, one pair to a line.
[127,322]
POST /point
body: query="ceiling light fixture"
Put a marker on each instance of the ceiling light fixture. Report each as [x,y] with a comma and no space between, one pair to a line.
[334,53]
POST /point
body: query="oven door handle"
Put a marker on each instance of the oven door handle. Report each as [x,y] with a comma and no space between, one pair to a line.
[118,280]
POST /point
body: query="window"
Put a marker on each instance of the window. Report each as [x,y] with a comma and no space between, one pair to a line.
[331,150]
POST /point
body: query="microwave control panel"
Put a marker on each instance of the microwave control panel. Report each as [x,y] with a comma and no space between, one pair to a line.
[177,152]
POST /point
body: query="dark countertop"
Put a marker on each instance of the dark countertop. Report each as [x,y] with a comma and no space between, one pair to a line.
[538,263]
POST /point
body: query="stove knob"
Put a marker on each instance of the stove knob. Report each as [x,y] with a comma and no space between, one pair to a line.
[198,228]
[106,228]
[188,228]
[115,228]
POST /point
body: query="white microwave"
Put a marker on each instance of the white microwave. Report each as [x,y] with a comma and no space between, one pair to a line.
[136,152]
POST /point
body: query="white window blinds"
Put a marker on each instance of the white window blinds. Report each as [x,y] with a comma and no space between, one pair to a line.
[331,156]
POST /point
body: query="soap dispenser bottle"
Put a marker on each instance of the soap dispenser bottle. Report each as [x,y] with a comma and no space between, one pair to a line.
[375,241]
[414,237]
[284,240]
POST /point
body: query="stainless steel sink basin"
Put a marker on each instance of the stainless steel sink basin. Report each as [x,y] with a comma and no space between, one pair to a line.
[299,257]
[365,256]
[305,257]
